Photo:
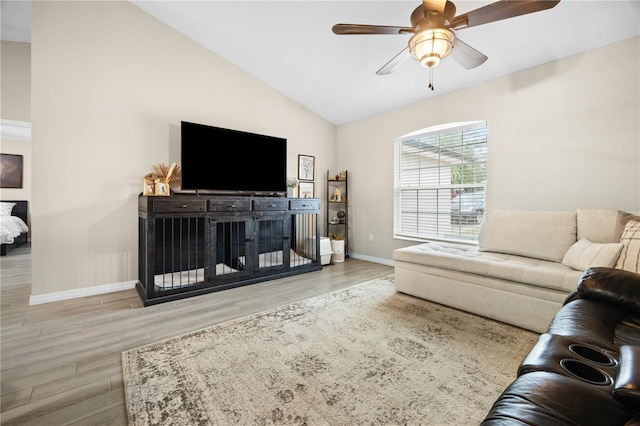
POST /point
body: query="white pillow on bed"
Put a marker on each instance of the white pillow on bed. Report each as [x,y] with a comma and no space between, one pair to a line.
[6,208]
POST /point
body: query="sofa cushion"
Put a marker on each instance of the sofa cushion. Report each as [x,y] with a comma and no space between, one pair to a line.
[601,225]
[550,399]
[537,272]
[586,254]
[538,234]
[629,259]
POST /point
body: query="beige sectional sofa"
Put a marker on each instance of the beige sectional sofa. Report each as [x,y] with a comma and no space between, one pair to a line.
[524,266]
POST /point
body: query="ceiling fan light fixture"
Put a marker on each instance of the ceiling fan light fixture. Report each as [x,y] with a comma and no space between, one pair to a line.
[432,45]
[430,60]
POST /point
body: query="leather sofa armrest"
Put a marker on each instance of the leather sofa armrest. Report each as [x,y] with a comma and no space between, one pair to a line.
[627,385]
[611,285]
[571,297]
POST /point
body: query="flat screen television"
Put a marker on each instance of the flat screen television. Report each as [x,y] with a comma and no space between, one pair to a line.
[219,160]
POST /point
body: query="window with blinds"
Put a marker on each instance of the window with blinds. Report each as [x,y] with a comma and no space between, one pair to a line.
[440,176]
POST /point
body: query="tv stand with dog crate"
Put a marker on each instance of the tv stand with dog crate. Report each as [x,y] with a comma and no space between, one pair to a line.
[195,244]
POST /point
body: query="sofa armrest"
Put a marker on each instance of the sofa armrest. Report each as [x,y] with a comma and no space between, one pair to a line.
[627,386]
[611,285]
[575,294]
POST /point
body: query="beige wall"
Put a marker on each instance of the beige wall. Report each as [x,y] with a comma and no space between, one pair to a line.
[561,136]
[15,81]
[110,87]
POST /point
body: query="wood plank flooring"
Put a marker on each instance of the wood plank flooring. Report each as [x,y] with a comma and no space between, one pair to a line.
[60,362]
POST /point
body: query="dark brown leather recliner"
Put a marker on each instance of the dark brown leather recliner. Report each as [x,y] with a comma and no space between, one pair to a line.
[586,369]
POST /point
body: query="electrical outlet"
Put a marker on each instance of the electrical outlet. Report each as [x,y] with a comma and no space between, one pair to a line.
[370,237]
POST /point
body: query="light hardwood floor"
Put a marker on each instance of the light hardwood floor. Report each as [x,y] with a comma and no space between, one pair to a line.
[61,361]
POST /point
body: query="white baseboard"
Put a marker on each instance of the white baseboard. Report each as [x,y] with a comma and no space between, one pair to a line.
[80,292]
[381,260]
[127,285]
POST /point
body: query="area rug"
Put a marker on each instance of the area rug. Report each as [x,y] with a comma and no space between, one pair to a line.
[363,355]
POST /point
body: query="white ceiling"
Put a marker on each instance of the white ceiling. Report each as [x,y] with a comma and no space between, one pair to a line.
[289,45]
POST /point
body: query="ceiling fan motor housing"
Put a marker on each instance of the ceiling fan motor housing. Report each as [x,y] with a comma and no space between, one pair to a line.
[433,17]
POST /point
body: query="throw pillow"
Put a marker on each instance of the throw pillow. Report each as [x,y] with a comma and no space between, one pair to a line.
[6,208]
[623,219]
[586,254]
[629,259]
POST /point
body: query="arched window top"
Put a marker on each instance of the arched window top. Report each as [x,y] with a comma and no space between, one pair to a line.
[442,128]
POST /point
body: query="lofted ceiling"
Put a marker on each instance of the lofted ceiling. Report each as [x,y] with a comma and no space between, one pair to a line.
[289,45]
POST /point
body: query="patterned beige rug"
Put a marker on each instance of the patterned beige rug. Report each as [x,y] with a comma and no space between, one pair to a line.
[364,355]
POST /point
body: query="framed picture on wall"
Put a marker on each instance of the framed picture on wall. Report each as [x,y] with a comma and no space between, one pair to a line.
[305,190]
[10,171]
[306,165]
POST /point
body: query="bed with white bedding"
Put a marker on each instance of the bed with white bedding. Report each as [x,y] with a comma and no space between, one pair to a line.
[13,225]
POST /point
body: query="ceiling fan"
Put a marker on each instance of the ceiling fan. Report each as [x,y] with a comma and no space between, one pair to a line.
[433,24]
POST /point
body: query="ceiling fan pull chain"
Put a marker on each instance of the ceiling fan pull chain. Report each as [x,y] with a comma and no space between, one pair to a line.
[431,78]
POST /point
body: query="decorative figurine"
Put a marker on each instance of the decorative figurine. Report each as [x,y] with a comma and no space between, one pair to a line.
[337,196]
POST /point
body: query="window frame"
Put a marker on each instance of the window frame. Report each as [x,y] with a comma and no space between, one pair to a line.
[402,189]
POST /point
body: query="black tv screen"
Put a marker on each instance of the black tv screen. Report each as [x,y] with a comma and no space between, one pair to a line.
[224,160]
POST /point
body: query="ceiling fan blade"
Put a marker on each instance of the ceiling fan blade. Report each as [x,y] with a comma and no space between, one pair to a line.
[503,9]
[466,55]
[394,63]
[369,29]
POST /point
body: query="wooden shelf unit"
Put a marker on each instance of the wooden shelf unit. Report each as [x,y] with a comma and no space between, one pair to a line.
[337,211]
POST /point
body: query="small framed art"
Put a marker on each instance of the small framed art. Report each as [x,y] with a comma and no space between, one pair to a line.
[162,187]
[305,190]
[148,186]
[306,166]
[10,171]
